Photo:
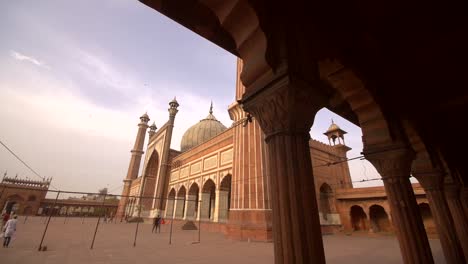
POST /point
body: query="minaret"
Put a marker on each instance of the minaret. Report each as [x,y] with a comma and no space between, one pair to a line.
[162,183]
[134,165]
[152,130]
[335,137]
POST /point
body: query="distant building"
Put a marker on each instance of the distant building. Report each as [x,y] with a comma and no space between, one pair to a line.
[28,197]
[22,196]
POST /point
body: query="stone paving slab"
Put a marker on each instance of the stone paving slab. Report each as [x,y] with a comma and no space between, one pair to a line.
[69,244]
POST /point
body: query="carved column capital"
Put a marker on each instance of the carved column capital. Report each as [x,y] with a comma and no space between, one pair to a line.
[430,180]
[285,107]
[392,162]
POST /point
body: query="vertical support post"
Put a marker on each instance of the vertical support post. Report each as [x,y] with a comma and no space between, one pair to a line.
[285,110]
[199,221]
[66,215]
[97,224]
[393,162]
[138,221]
[432,182]
[48,221]
[172,222]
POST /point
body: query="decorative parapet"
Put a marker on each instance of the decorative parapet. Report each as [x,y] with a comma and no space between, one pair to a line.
[315,144]
[27,182]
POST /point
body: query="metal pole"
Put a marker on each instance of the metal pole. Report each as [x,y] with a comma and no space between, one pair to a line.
[66,215]
[97,224]
[172,221]
[138,222]
[48,221]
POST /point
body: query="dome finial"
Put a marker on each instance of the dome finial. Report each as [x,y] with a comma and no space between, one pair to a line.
[211,107]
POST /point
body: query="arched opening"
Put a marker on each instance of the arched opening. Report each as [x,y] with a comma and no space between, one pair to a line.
[208,200]
[426,215]
[224,202]
[12,204]
[379,221]
[358,218]
[180,202]
[170,203]
[326,194]
[192,201]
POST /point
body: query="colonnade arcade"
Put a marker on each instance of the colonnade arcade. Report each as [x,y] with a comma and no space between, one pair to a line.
[357,60]
[208,203]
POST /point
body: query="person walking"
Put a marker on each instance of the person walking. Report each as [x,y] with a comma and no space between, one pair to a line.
[5,218]
[9,229]
[157,225]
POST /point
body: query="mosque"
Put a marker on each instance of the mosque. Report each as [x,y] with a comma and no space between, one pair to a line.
[219,177]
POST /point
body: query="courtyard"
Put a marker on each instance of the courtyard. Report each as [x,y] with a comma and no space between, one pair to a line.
[69,241]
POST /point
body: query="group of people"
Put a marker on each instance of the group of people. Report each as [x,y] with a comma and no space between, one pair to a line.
[8,228]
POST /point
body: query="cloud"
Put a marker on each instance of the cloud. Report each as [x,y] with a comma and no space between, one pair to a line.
[21,57]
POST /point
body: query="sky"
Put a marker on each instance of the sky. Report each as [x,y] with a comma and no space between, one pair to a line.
[75,76]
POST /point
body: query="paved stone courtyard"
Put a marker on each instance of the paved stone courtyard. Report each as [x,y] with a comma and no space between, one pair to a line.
[70,243]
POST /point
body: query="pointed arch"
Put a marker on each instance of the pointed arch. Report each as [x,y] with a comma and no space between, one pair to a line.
[379,221]
[224,202]
[358,218]
[208,200]
[192,201]
[325,203]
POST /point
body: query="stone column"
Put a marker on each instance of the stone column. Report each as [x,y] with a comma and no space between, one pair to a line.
[432,182]
[452,194]
[216,207]
[394,165]
[190,204]
[223,206]
[285,112]
[205,206]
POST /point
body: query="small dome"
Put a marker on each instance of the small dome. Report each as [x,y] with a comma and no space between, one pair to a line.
[333,127]
[145,116]
[153,126]
[201,132]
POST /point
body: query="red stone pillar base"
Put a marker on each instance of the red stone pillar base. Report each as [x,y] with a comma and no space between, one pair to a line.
[460,220]
[253,225]
[432,182]
[394,165]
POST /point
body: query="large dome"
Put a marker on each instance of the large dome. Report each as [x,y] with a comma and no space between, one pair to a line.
[202,131]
